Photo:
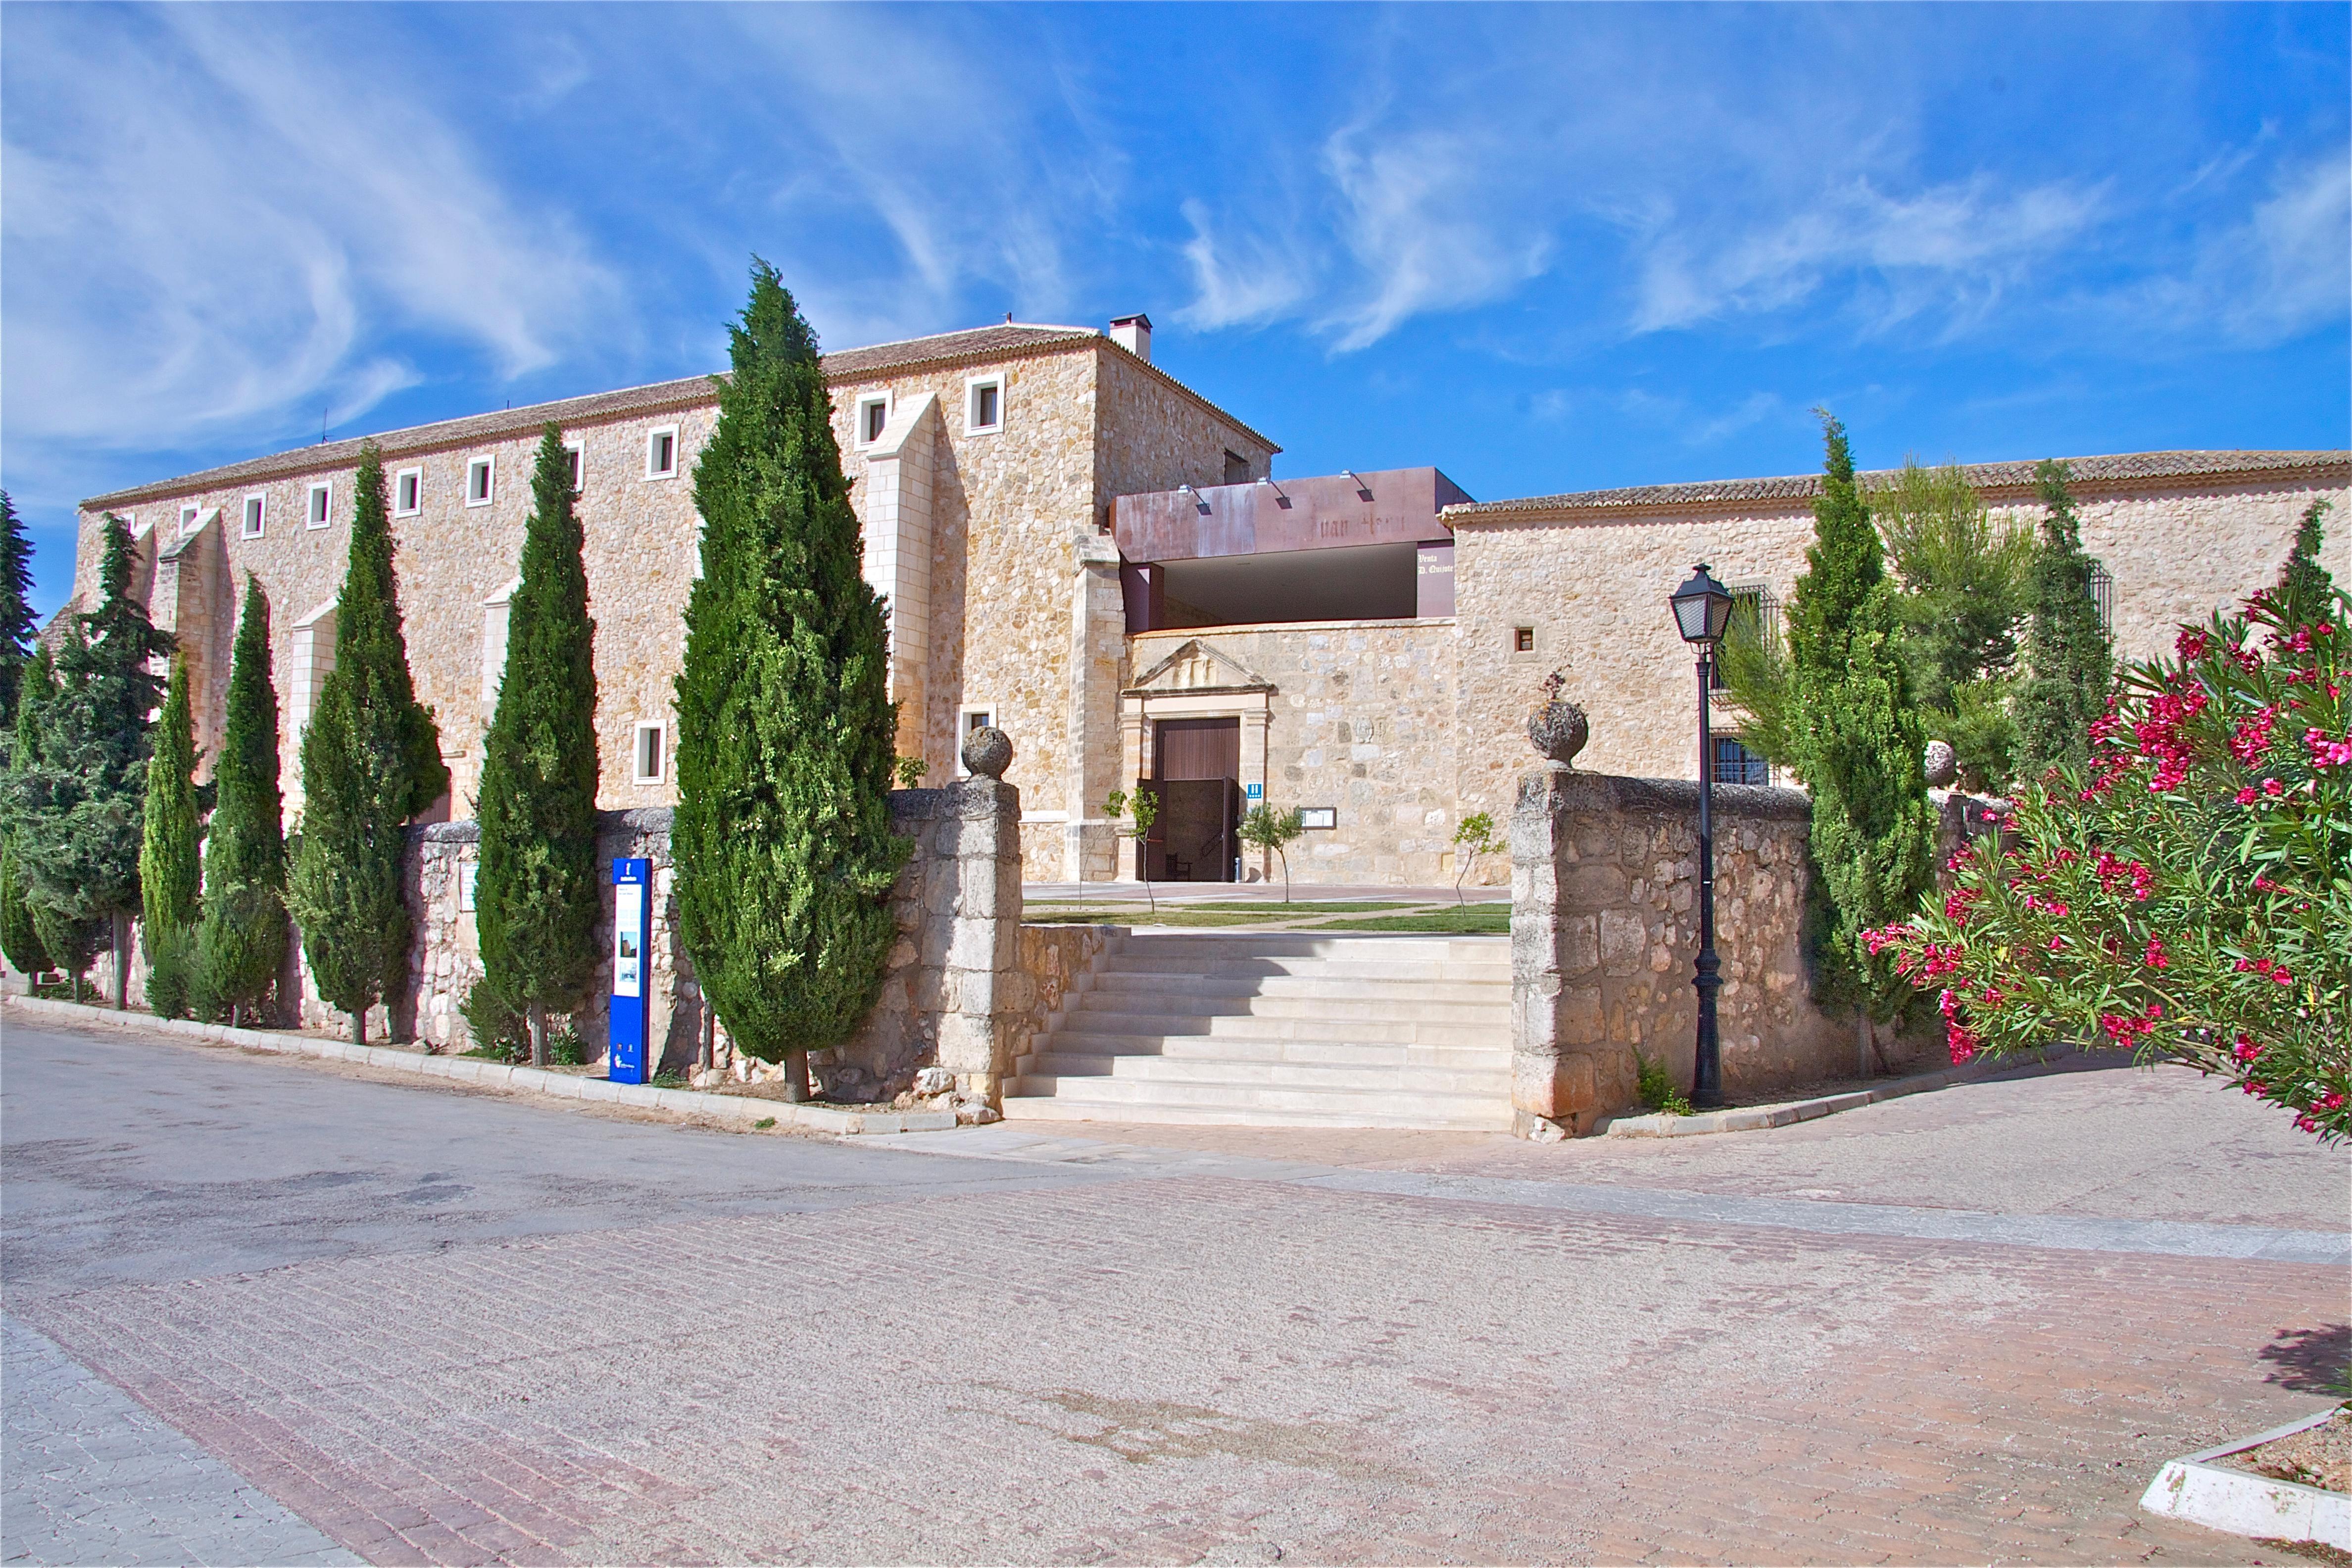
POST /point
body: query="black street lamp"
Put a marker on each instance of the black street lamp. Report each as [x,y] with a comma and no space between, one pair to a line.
[1701,610]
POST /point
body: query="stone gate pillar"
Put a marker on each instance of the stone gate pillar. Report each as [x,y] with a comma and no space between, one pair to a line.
[978,901]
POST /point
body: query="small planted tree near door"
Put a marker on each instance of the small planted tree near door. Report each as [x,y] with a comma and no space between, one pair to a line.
[1266,828]
[1473,838]
[1140,812]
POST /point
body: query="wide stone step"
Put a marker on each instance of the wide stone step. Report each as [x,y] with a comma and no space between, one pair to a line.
[1224,983]
[1170,1105]
[1091,1006]
[1362,949]
[1058,1067]
[1497,971]
[1315,1034]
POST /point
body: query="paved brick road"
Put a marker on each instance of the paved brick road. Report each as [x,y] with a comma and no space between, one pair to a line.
[452,1328]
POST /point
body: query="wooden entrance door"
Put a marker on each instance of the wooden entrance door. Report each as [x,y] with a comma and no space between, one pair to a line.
[1196,765]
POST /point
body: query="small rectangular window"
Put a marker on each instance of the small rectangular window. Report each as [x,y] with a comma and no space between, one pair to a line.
[254,506]
[645,755]
[974,720]
[1523,639]
[1735,764]
[480,473]
[983,405]
[188,515]
[322,503]
[408,492]
[872,417]
[661,453]
[578,458]
[1236,469]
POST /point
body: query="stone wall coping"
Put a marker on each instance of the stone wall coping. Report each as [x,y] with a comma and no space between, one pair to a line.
[1999,482]
[848,367]
[1674,797]
[735,1109]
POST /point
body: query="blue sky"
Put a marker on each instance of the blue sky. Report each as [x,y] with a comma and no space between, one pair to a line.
[1544,248]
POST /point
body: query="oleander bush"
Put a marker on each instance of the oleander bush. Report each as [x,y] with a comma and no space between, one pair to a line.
[2188,898]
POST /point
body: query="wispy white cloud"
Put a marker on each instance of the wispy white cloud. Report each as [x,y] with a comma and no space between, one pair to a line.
[1428,227]
[235,228]
[1239,280]
[2289,267]
[1954,248]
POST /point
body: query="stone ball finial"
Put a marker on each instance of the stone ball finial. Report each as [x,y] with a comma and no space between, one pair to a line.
[987,753]
[1559,729]
[1943,764]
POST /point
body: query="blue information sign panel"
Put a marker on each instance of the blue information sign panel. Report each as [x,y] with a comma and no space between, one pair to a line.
[632,911]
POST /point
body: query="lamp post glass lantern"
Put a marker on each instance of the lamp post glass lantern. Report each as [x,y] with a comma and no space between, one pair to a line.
[1702,609]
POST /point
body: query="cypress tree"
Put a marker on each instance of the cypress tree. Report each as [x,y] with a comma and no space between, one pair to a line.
[20,933]
[2306,591]
[169,873]
[784,851]
[16,610]
[1858,746]
[79,807]
[535,899]
[371,760]
[241,945]
[2069,658]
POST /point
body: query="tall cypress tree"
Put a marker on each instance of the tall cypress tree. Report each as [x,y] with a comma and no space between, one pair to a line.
[2070,660]
[241,945]
[79,808]
[1858,745]
[170,875]
[20,931]
[2306,591]
[371,760]
[16,610]
[535,899]
[784,851]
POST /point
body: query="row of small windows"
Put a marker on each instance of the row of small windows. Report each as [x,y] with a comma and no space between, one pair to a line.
[983,415]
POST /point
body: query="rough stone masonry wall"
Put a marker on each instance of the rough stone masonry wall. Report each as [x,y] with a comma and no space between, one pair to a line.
[1604,932]
[1363,721]
[1593,589]
[954,991]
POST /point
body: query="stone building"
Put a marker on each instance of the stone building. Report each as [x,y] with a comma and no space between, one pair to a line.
[1082,551]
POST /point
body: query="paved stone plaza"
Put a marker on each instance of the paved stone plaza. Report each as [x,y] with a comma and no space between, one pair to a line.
[272,1310]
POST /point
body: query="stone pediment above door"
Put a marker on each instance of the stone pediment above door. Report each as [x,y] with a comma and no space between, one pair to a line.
[1198,668]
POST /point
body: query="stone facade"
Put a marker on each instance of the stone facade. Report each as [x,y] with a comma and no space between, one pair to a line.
[990,543]
[1013,618]
[1605,933]
[1588,576]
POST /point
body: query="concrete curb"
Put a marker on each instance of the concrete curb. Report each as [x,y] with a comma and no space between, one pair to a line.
[2243,1503]
[1756,1118]
[732,1108]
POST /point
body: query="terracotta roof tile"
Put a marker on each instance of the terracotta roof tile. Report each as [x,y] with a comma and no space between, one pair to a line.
[1996,479]
[1009,340]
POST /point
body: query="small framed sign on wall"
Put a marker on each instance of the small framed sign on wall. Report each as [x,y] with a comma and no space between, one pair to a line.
[1314,816]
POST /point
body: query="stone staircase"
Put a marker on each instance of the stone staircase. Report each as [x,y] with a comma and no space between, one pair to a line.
[1279,1029]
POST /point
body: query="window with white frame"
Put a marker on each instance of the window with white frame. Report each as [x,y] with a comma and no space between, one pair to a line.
[575,453]
[482,478]
[872,417]
[661,453]
[984,406]
[408,492]
[646,754]
[320,506]
[189,512]
[702,531]
[257,508]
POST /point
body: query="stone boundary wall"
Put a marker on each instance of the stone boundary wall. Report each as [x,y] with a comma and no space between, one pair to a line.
[966,986]
[1604,932]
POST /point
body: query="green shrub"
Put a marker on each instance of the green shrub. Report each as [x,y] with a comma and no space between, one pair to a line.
[497,1028]
[1656,1086]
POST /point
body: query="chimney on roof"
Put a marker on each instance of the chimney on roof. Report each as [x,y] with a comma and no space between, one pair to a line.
[1133,333]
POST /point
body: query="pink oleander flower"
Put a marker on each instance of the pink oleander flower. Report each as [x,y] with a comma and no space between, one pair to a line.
[2155,957]
[2247,796]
